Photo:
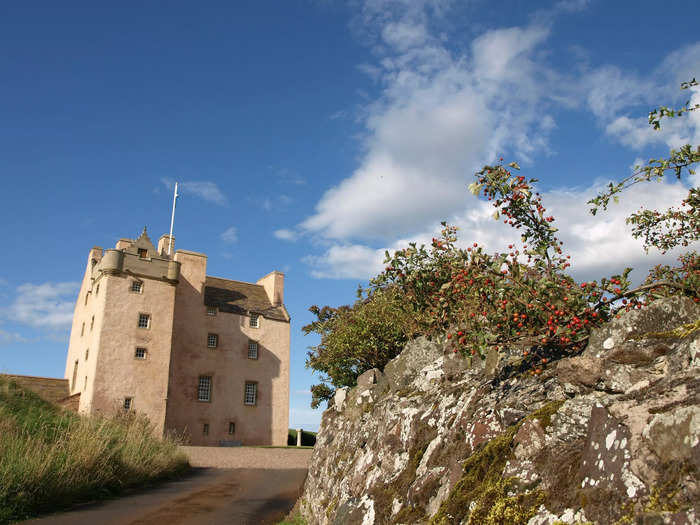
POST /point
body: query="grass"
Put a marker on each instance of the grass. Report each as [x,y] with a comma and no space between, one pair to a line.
[294,519]
[51,458]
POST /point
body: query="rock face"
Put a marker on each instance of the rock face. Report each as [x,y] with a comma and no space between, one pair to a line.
[609,436]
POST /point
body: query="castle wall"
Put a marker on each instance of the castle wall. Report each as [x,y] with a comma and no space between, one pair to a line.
[266,422]
[119,373]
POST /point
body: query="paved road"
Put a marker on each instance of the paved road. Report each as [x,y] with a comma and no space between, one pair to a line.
[208,496]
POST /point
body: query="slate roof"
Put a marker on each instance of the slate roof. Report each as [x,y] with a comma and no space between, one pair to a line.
[241,298]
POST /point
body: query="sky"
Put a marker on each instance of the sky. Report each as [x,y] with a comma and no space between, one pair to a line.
[311,136]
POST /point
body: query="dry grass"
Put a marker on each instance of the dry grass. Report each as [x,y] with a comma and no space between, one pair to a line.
[50,458]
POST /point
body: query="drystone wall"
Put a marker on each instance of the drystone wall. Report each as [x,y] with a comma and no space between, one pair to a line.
[609,436]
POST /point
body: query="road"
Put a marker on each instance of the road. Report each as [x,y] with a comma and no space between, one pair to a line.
[207,496]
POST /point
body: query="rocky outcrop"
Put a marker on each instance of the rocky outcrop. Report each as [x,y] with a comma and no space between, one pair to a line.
[609,436]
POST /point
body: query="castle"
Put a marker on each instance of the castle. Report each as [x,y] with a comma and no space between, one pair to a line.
[201,356]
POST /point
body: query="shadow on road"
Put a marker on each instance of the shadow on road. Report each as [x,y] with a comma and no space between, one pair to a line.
[204,496]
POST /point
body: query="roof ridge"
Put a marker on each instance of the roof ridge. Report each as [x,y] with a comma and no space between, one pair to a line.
[232,280]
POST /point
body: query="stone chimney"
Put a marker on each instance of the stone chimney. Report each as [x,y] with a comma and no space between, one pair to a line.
[273,283]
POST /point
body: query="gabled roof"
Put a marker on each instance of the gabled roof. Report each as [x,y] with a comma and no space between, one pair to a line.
[237,297]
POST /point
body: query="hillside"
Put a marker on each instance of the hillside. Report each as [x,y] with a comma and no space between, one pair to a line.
[52,458]
[611,435]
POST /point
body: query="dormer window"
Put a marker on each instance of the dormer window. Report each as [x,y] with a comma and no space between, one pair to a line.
[143,253]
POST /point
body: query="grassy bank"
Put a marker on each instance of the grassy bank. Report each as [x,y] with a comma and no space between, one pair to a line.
[50,458]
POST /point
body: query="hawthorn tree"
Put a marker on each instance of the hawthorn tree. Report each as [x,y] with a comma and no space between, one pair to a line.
[675,226]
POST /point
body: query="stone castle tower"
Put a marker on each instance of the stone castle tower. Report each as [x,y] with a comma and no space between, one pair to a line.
[199,355]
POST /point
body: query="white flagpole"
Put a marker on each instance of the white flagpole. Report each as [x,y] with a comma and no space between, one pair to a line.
[172,220]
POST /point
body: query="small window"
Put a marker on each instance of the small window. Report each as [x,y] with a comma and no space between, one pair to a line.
[92,322]
[97,290]
[211,311]
[75,375]
[87,353]
[254,321]
[144,321]
[205,429]
[82,330]
[86,297]
[136,286]
[128,403]
[140,353]
[252,349]
[204,388]
[143,253]
[231,428]
[251,391]
[85,384]
[212,340]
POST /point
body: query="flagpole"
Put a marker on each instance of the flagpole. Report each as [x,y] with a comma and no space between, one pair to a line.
[172,220]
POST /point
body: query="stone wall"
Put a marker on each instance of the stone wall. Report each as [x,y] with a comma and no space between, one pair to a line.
[611,435]
[47,388]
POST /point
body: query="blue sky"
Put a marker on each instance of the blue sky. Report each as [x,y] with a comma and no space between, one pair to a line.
[310,136]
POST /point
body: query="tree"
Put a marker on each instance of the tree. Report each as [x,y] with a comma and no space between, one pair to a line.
[675,226]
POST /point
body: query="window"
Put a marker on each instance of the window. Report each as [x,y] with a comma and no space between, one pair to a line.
[85,384]
[86,297]
[212,340]
[97,290]
[204,388]
[254,321]
[136,286]
[211,311]
[92,322]
[82,330]
[127,403]
[143,253]
[144,321]
[252,349]
[75,375]
[140,353]
[231,428]
[87,353]
[205,429]
[251,390]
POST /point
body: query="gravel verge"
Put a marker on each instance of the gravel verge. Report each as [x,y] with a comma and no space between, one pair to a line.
[248,457]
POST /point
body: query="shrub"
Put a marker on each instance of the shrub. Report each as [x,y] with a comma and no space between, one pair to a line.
[357,338]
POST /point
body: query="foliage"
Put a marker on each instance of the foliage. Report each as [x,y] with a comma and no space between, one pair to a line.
[488,301]
[51,458]
[356,338]
[525,297]
[675,226]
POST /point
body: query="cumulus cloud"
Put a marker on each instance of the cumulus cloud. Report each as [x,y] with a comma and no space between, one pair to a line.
[230,235]
[285,234]
[206,190]
[442,114]
[599,245]
[47,305]
[7,338]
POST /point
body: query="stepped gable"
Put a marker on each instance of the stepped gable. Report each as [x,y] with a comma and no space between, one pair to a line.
[609,436]
[241,298]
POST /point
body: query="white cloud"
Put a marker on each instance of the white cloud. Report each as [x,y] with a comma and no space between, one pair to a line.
[599,245]
[443,114]
[47,305]
[305,418]
[206,190]
[7,338]
[230,235]
[440,116]
[286,235]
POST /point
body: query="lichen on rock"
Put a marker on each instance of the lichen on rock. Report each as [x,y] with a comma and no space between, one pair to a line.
[608,436]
